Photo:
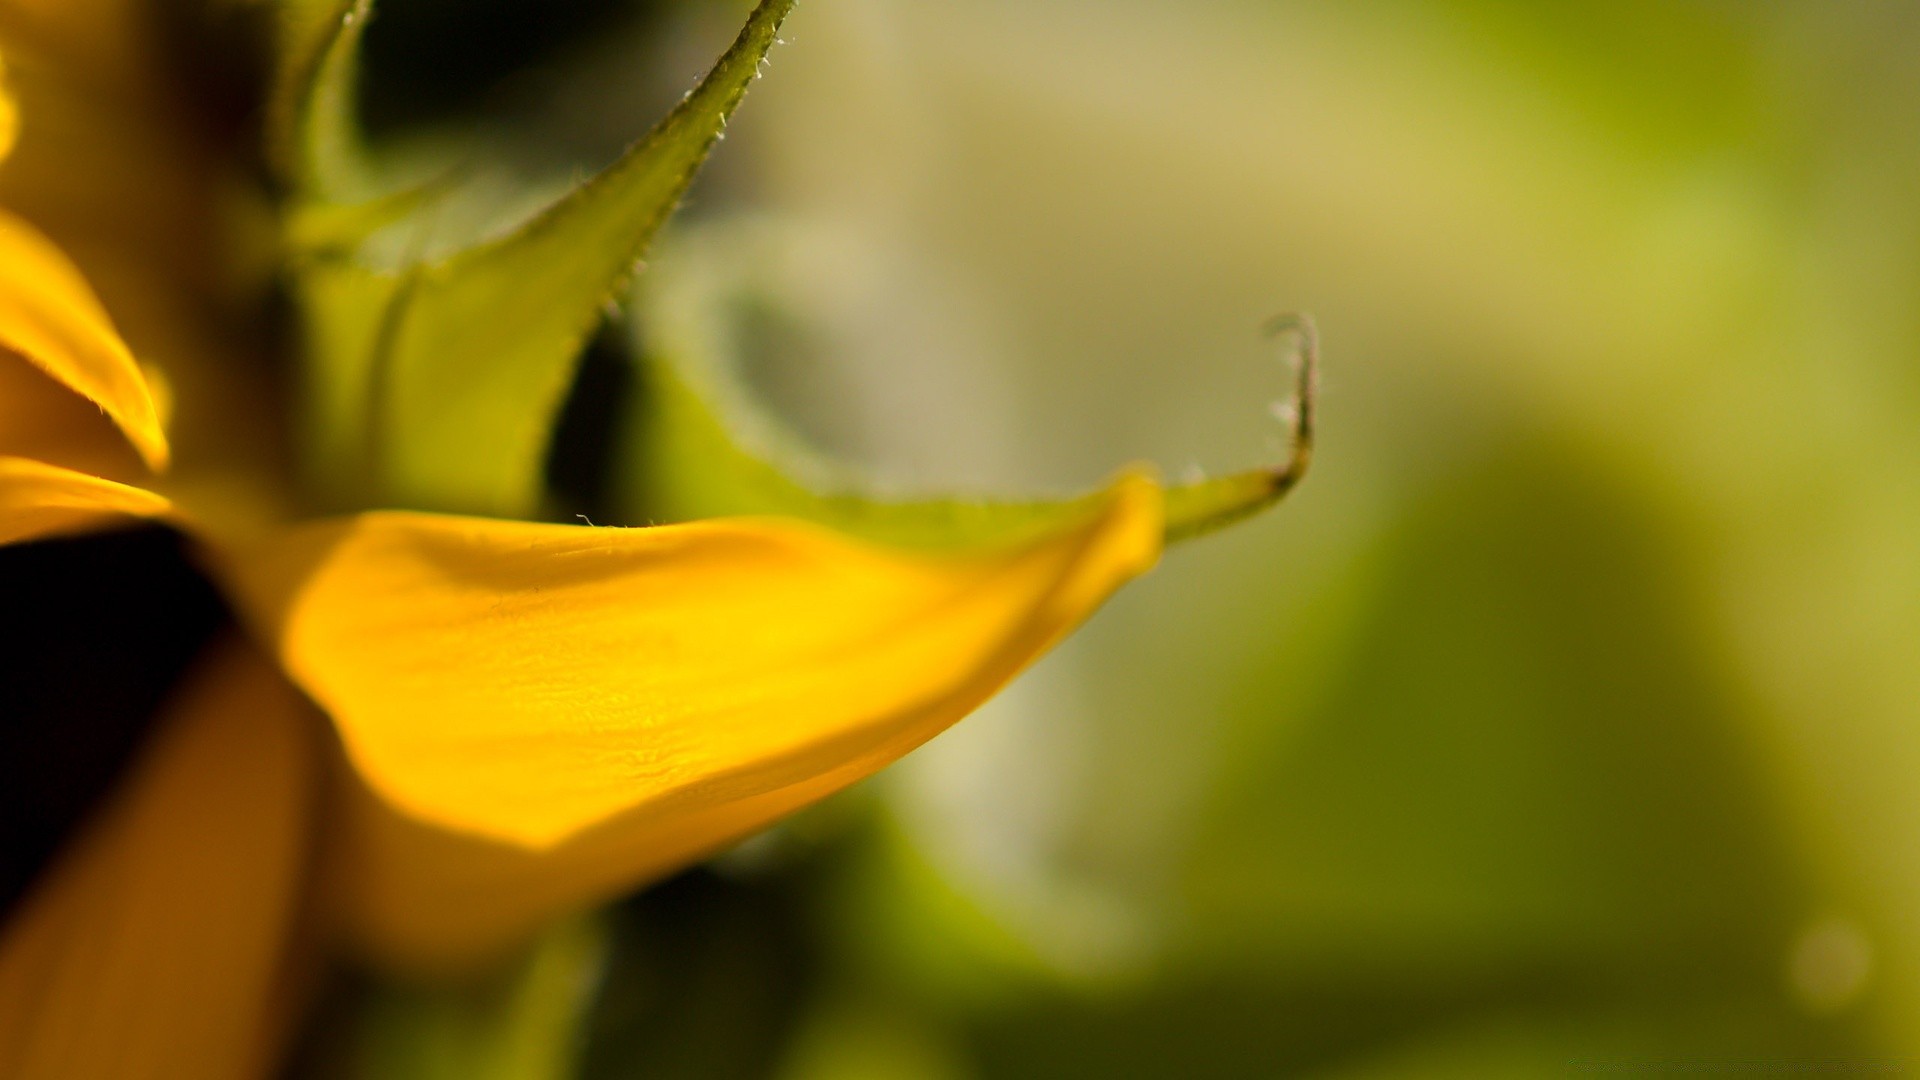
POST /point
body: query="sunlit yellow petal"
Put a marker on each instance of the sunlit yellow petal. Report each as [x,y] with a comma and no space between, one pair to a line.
[154,947]
[522,682]
[565,710]
[37,499]
[50,316]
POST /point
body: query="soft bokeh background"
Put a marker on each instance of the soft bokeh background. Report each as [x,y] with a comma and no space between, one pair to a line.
[1568,717]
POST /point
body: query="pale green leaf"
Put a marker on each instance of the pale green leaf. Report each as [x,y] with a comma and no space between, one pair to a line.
[701,447]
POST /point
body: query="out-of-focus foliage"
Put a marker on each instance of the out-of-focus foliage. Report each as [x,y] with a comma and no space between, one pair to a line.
[702,447]
[1564,717]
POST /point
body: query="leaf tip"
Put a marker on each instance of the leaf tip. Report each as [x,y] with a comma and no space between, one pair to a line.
[1206,505]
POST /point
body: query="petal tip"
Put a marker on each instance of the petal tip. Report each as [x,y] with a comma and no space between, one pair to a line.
[1136,513]
[51,317]
[148,436]
[39,500]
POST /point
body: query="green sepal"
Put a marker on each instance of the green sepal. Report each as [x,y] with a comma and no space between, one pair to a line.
[439,386]
[700,446]
[317,229]
[1199,507]
[312,131]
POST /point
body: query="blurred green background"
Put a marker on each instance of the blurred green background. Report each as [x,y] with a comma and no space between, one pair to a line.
[1566,720]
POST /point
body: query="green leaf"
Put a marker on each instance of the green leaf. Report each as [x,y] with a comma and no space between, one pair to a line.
[701,446]
[348,311]
[435,384]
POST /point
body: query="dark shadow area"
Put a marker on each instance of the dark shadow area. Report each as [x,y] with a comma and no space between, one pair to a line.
[707,978]
[97,631]
[579,468]
[431,61]
[221,58]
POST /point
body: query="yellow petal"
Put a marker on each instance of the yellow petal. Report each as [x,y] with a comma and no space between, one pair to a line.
[37,499]
[9,116]
[563,711]
[49,315]
[115,167]
[154,946]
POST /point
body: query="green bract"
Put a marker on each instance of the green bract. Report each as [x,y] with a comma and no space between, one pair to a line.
[435,380]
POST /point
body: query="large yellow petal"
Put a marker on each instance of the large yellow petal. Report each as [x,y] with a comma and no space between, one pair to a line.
[49,315]
[154,946]
[561,711]
[37,499]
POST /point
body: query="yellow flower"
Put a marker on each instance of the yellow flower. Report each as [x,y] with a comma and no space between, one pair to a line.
[527,719]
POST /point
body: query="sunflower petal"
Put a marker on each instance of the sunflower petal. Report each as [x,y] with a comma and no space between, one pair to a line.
[9,116]
[154,947]
[50,316]
[37,499]
[556,712]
